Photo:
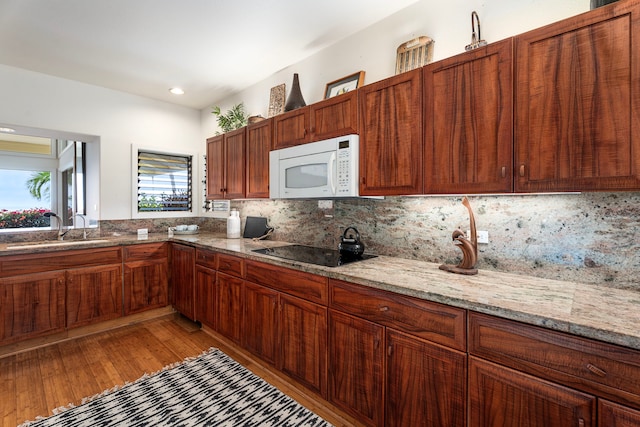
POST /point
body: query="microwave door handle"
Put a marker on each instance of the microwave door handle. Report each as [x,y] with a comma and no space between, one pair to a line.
[332,162]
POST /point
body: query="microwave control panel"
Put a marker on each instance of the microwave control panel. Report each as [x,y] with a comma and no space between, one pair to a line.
[345,172]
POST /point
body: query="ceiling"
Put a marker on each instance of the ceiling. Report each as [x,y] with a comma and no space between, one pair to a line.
[210,48]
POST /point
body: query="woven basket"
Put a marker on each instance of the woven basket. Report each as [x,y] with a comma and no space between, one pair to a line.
[414,54]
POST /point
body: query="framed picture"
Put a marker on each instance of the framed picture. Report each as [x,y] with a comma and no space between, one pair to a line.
[344,85]
[276,100]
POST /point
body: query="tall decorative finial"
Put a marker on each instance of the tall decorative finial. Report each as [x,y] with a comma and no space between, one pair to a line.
[469,247]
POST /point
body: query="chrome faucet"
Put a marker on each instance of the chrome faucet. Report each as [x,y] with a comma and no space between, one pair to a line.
[60,233]
[84,224]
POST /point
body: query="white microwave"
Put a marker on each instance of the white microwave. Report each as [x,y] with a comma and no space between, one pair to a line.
[323,169]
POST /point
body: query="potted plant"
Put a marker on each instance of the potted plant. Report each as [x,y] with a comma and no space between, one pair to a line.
[233,119]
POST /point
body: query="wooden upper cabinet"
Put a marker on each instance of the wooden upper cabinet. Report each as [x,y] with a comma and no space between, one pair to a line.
[335,116]
[225,165]
[578,103]
[391,146]
[468,122]
[291,128]
[259,141]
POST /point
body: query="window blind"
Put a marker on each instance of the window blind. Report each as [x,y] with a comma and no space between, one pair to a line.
[164,182]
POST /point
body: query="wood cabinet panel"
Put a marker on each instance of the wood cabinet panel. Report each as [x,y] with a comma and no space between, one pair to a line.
[230,264]
[260,316]
[206,258]
[94,294]
[31,306]
[303,342]
[304,285]
[577,103]
[391,144]
[613,415]
[503,397]
[205,300]
[335,116]
[468,101]
[235,164]
[426,383]
[146,284]
[587,365]
[14,265]
[145,251]
[259,142]
[183,279]
[216,161]
[432,321]
[229,307]
[291,128]
[356,370]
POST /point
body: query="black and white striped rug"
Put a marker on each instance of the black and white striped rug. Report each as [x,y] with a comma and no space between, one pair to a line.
[210,390]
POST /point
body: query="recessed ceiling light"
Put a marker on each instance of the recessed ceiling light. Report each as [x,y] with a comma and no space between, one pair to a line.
[176,91]
[8,130]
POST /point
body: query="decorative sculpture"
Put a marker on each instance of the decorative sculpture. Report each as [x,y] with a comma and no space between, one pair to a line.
[469,247]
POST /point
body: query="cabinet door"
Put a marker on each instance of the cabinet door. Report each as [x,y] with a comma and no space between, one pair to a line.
[205,303]
[503,397]
[291,128]
[577,103]
[391,146]
[335,116]
[146,285]
[356,367]
[303,342]
[260,321]
[613,415]
[235,163]
[469,122]
[229,303]
[259,138]
[426,383]
[31,305]
[94,294]
[183,278]
[215,167]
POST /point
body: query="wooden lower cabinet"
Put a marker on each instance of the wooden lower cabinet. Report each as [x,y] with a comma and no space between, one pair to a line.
[205,303]
[500,396]
[229,320]
[260,314]
[31,305]
[146,285]
[614,415]
[356,368]
[303,342]
[426,383]
[183,278]
[94,294]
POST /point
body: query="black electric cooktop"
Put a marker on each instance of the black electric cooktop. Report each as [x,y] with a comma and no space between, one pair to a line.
[312,255]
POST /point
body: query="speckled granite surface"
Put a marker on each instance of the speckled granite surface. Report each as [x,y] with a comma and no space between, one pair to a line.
[607,314]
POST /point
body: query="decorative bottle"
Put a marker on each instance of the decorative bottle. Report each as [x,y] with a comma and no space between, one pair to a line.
[295,99]
[233,225]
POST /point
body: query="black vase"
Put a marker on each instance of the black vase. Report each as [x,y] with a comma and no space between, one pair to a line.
[295,99]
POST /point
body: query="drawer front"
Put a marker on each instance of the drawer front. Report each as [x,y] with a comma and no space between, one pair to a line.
[432,321]
[206,258]
[230,264]
[58,260]
[608,370]
[298,283]
[145,251]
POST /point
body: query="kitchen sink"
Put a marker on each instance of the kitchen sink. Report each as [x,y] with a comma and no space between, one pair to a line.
[55,244]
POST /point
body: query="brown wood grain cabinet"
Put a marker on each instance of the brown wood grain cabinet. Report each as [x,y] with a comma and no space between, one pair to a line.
[468,122]
[31,305]
[261,321]
[182,261]
[578,103]
[205,282]
[229,320]
[614,415]
[226,157]
[259,142]
[146,277]
[391,136]
[291,128]
[94,294]
[500,396]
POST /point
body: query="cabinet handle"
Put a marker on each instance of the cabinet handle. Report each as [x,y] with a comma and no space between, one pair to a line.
[599,372]
[521,170]
[581,422]
[389,351]
[383,308]
[504,172]
[376,344]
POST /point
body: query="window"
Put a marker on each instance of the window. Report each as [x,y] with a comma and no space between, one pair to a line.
[164,182]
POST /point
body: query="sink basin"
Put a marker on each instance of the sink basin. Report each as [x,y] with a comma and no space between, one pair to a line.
[55,244]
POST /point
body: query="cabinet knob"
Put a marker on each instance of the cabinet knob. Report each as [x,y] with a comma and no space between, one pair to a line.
[521,170]
[383,308]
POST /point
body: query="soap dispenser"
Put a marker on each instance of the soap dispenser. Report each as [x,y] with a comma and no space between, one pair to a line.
[233,225]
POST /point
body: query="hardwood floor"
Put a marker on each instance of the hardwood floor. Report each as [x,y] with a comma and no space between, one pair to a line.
[34,382]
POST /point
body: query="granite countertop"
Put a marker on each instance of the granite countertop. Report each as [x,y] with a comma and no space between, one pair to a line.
[603,313]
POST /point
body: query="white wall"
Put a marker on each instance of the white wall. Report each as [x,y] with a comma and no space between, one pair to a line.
[374,49]
[118,119]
